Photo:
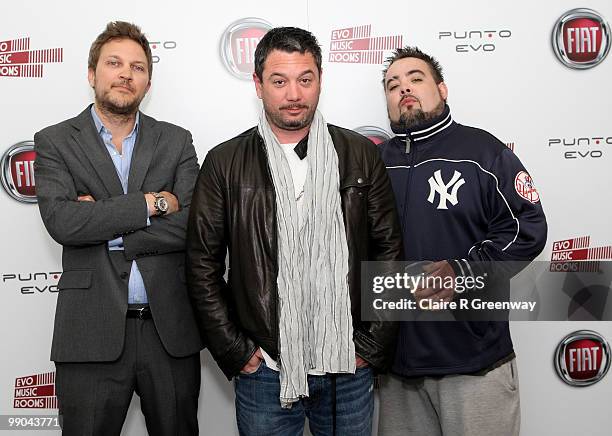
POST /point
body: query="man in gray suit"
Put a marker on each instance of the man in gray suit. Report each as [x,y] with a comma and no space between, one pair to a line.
[114,188]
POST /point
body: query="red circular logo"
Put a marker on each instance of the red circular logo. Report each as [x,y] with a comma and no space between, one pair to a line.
[238,45]
[523,184]
[582,358]
[581,38]
[18,172]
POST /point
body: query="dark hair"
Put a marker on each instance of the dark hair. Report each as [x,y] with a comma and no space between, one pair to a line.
[120,30]
[414,52]
[289,40]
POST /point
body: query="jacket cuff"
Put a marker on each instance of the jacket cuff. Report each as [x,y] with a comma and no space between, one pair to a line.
[232,362]
[368,349]
[461,267]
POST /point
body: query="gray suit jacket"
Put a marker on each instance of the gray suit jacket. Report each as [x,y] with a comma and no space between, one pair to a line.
[90,316]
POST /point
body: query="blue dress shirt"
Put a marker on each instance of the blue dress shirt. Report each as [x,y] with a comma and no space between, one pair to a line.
[137,293]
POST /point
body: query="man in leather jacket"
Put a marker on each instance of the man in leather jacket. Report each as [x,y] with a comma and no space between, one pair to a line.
[299,204]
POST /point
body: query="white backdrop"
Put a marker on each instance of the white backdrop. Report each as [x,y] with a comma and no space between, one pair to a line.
[518,91]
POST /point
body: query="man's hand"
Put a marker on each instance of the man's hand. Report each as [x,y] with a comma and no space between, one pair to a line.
[359,362]
[173,205]
[253,363]
[439,291]
[85,198]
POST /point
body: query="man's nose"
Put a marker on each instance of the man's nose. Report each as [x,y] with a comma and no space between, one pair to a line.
[126,73]
[293,92]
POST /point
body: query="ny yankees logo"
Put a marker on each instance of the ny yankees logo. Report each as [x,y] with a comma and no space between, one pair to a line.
[436,184]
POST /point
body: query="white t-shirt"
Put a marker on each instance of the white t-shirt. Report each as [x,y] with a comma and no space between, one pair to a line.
[299,168]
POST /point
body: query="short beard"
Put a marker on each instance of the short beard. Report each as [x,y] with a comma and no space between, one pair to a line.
[276,118]
[110,107]
[410,120]
[123,110]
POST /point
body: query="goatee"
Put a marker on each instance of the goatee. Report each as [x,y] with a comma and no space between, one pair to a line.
[415,118]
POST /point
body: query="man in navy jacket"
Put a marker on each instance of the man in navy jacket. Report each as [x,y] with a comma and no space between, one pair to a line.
[465,201]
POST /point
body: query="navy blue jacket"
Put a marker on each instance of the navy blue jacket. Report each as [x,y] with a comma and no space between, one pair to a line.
[462,196]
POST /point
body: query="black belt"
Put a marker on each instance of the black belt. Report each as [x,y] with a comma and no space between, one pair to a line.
[140,313]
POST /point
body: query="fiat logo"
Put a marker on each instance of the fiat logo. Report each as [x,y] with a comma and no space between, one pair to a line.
[582,358]
[581,38]
[18,172]
[238,45]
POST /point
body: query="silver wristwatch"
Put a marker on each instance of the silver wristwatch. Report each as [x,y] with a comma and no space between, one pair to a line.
[161,204]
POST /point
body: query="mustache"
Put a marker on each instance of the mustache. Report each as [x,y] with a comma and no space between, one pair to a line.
[294,106]
[125,84]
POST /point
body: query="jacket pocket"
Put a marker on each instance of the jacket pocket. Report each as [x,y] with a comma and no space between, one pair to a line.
[354,193]
[355,184]
[75,279]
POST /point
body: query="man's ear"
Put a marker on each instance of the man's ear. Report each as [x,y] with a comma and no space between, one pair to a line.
[258,85]
[443,90]
[91,77]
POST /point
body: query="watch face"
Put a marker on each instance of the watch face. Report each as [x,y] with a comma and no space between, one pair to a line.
[162,204]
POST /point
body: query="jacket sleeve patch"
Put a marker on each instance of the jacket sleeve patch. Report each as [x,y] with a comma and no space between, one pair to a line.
[523,184]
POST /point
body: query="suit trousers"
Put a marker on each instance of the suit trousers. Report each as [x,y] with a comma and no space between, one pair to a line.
[94,397]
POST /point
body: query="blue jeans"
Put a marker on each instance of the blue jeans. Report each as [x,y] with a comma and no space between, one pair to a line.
[259,413]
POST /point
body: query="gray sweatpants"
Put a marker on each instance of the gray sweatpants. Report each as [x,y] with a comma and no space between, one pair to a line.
[453,405]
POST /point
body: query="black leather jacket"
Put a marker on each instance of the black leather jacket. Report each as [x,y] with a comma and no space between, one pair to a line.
[234,208]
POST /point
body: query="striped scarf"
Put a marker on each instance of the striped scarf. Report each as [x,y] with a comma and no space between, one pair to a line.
[315,323]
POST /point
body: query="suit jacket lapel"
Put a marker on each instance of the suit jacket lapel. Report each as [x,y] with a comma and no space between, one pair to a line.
[148,136]
[90,142]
